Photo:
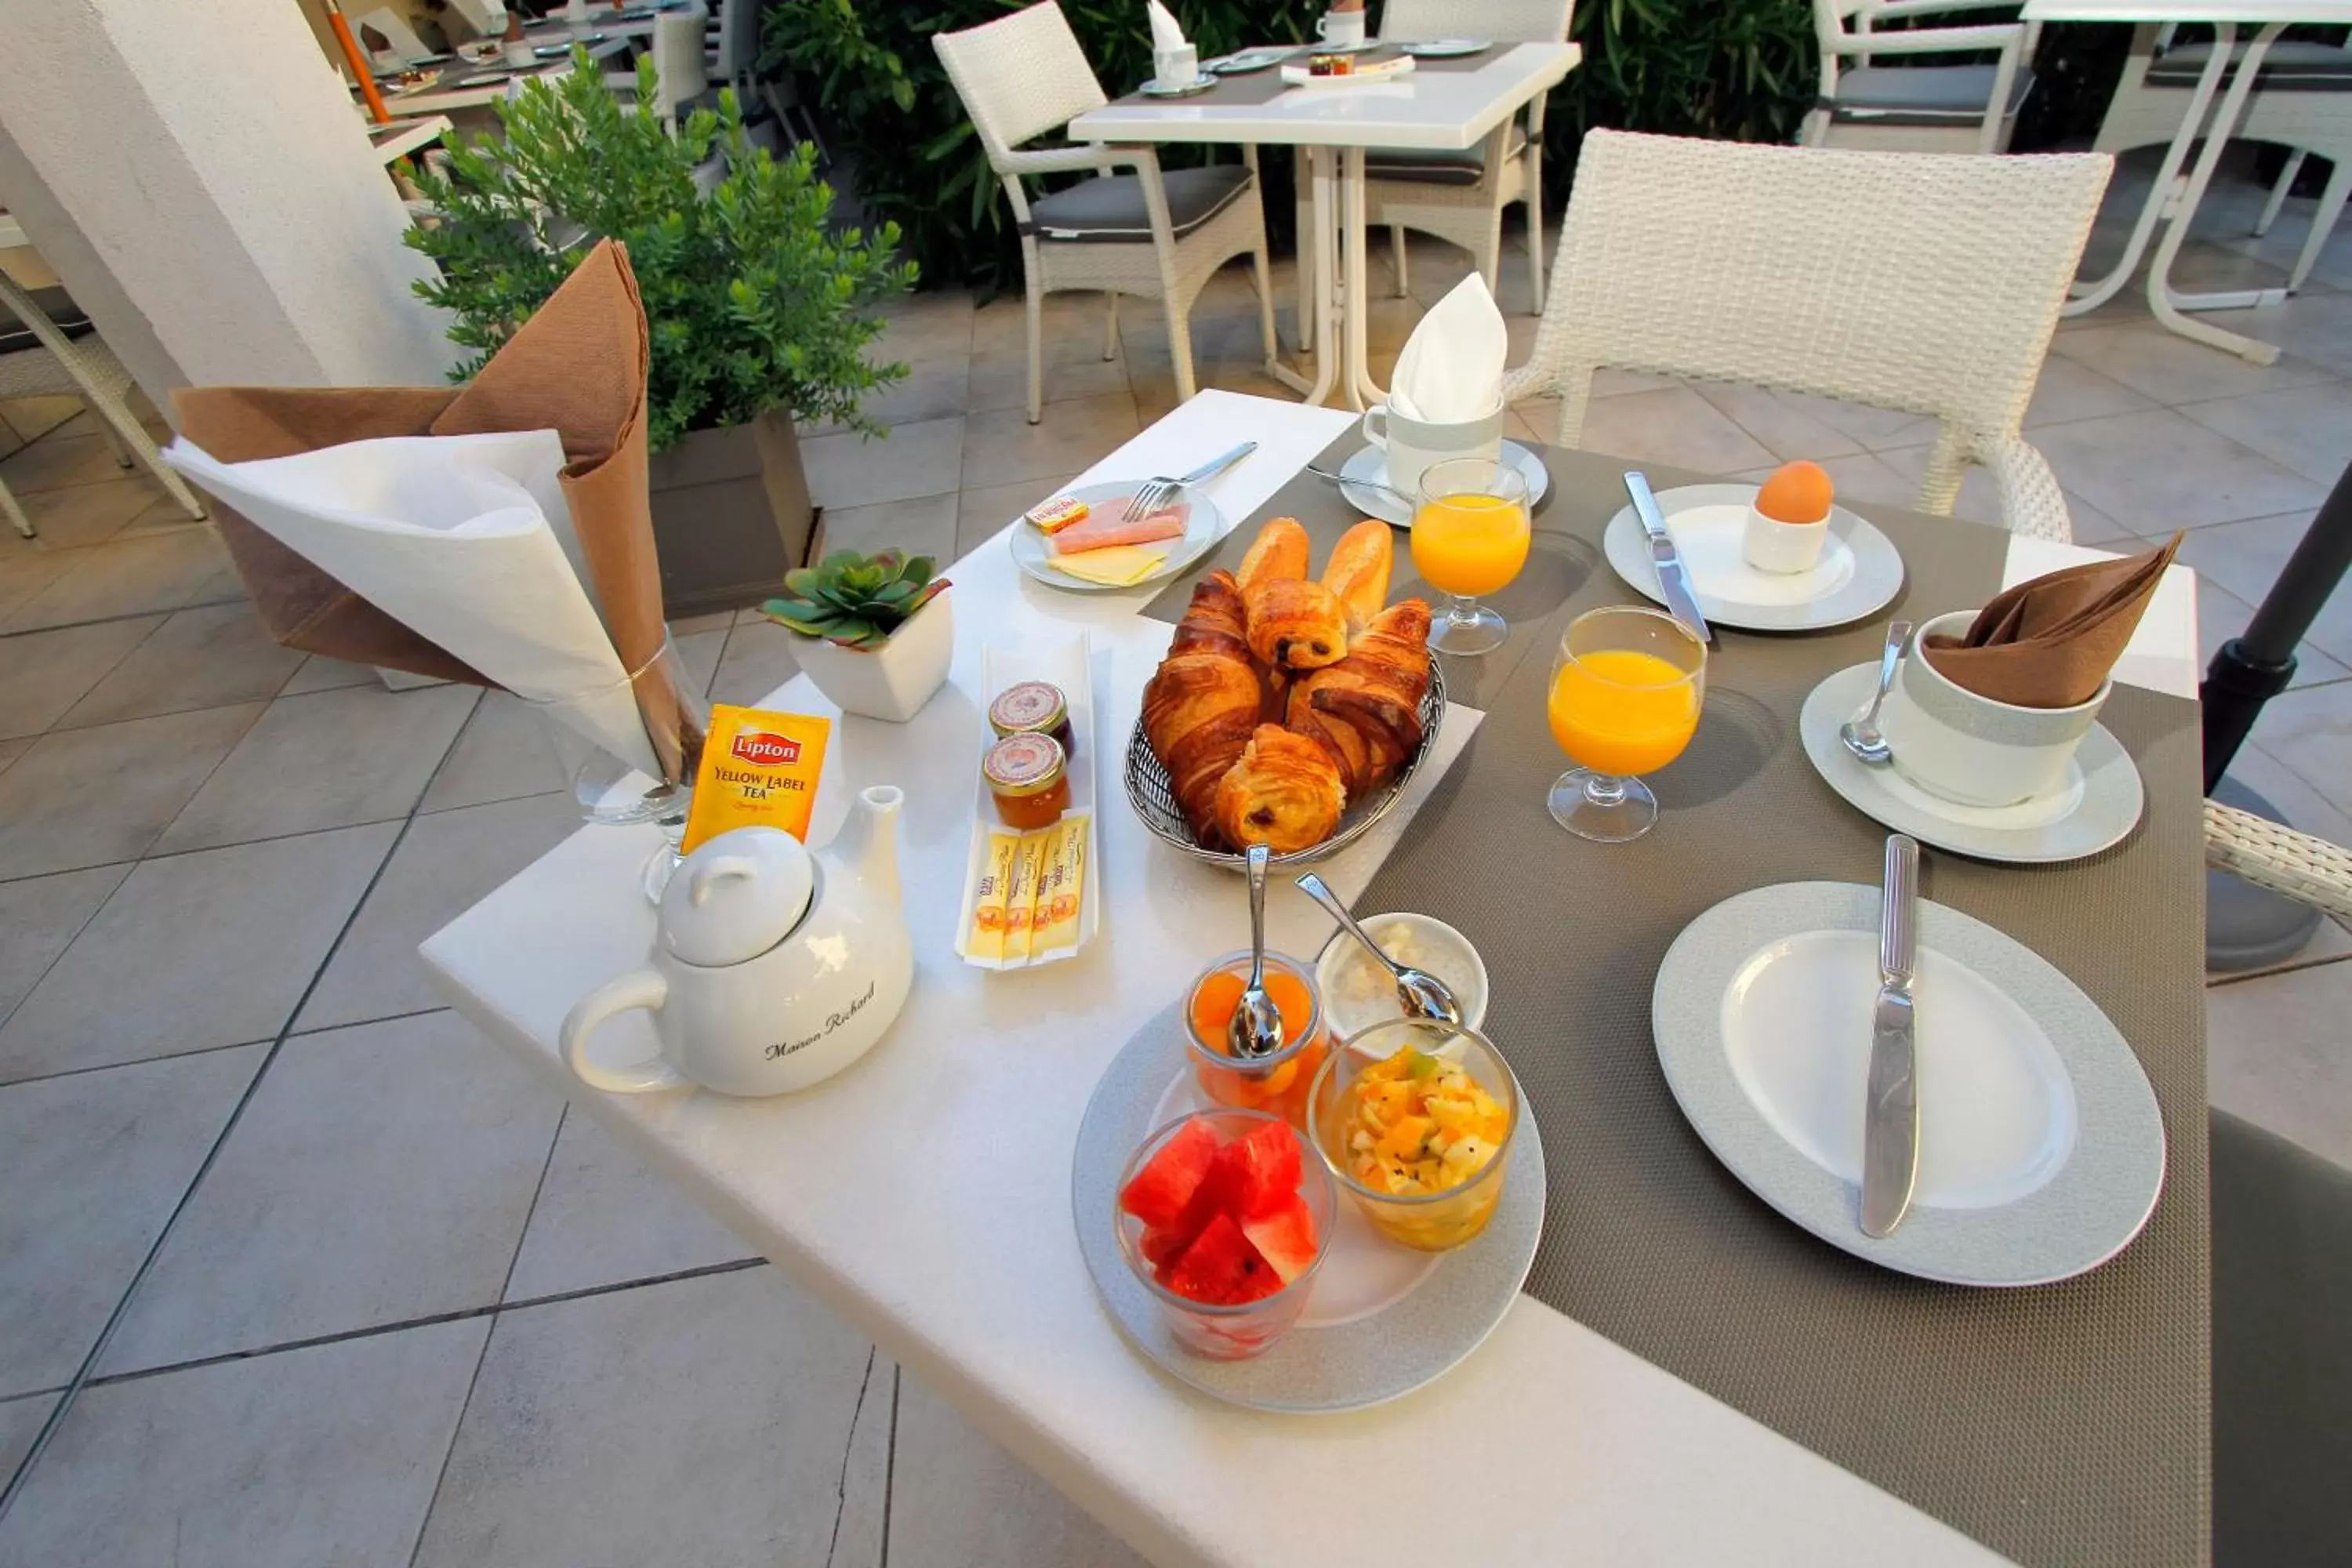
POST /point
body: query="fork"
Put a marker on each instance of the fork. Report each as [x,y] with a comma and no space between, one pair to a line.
[1157,492]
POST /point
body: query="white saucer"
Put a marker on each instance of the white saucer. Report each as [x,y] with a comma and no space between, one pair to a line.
[1371,463]
[2095,809]
[1193,88]
[1445,48]
[1858,574]
[2041,1148]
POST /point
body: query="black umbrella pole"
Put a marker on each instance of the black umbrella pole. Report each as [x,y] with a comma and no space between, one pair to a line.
[2255,665]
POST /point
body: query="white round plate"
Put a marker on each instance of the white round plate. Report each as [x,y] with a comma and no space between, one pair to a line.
[1445,48]
[1317,46]
[1371,463]
[1858,574]
[1192,89]
[1263,57]
[1202,529]
[2041,1149]
[2096,808]
[1384,1320]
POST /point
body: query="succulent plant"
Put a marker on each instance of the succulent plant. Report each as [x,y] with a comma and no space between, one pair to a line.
[855,600]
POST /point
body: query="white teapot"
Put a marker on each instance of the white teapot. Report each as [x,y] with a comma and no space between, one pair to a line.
[772,968]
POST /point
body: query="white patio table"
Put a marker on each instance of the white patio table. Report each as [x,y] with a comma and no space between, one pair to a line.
[2168,197]
[1434,110]
[925,1194]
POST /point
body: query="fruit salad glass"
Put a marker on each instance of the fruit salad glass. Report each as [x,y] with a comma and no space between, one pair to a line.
[1428,1222]
[1276,1083]
[1235,1333]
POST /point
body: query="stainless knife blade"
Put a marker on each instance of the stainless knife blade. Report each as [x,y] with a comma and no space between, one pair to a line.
[1890,1127]
[1673,577]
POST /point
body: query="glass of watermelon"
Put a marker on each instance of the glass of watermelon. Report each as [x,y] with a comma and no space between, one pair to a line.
[1276,1083]
[1224,1216]
[1414,1119]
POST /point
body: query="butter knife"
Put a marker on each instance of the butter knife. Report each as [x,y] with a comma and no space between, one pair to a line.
[1673,577]
[1890,1127]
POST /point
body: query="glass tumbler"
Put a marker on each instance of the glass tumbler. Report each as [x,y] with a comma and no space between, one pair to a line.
[605,737]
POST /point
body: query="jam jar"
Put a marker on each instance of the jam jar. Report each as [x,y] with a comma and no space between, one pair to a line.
[1029,776]
[1032,708]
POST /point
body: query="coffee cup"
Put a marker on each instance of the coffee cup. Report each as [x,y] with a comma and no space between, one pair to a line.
[1970,748]
[1412,445]
[1178,66]
[1341,27]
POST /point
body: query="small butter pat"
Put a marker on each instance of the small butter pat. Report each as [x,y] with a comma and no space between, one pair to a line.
[1117,565]
[1054,515]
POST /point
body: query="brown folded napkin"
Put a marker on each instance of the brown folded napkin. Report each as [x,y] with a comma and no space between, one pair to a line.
[2052,641]
[578,367]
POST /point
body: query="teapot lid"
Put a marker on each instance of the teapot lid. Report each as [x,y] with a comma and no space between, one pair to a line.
[736,897]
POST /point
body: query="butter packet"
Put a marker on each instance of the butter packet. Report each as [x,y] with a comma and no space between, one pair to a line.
[984,937]
[759,770]
[1060,888]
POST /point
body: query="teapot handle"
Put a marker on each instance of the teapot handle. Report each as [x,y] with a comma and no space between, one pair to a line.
[639,988]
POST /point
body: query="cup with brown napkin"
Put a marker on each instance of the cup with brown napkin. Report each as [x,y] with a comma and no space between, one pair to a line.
[1991,705]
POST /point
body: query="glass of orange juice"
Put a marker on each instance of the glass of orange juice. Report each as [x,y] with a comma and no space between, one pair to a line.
[1625,700]
[1469,539]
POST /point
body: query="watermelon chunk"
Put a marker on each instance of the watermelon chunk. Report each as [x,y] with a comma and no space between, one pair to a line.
[1284,1237]
[1266,1169]
[1162,1248]
[1221,1269]
[1159,1191]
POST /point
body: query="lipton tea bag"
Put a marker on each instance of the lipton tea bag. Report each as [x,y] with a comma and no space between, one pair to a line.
[759,770]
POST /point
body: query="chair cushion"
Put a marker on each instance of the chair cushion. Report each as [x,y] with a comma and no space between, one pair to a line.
[2292,66]
[1922,95]
[1461,168]
[58,306]
[1109,209]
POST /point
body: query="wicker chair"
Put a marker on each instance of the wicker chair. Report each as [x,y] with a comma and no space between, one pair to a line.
[74,361]
[2304,867]
[1918,109]
[1460,197]
[1923,282]
[1154,236]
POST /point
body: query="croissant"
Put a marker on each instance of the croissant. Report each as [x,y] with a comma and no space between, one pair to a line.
[1285,792]
[1365,710]
[1279,551]
[1201,705]
[1296,625]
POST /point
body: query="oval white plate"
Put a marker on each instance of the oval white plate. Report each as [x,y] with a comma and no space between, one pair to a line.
[2095,809]
[1444,48]
[1371,463]
[2041,1149]
[1858,574]
[1203,528]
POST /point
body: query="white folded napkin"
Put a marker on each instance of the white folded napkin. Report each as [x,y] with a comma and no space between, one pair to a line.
[1452,366]
[1165,33]
[467,541]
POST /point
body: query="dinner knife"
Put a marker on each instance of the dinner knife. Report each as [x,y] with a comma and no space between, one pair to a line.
[1673,577]
[1890,1127]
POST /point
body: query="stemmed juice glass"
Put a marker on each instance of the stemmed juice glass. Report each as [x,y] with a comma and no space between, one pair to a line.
[1469,539]
[1625,700]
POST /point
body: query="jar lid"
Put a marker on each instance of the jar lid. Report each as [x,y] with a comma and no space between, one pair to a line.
[1028,705]
[736,897]
[1022,764]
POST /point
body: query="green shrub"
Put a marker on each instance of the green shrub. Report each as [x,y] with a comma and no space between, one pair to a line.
[752,302]
[1734,68]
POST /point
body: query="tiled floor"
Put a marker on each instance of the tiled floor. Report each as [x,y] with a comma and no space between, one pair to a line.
[308,1273]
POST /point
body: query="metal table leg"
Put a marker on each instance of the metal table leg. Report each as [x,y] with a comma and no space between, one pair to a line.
[1361,389]
[1316,252]
[2162,196]
[2168,305]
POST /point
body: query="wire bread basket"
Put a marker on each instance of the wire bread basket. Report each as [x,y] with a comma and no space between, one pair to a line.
[1153,795]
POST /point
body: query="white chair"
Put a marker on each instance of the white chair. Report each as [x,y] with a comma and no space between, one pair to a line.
[1918,109]
[1928,283]
[400,44]
[2302,99]
[1159,236]
[1460,197]
[731,46]
[44,359]
[681,70]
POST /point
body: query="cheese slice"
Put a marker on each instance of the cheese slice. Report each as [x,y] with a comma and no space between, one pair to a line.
[1117,565]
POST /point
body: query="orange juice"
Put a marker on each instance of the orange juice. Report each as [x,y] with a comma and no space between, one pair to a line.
[1470,545]
[1623,712]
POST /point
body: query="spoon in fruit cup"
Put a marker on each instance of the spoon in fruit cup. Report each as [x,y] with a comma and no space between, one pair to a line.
[1422,995]
[1255,1027]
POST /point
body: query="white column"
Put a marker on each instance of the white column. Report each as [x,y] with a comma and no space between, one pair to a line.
[199,179]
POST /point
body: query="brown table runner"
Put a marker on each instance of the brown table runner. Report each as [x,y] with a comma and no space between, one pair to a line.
[2067,1423]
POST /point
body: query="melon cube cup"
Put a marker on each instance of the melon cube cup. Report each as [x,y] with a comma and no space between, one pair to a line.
[1279,1082]
[1236,1332]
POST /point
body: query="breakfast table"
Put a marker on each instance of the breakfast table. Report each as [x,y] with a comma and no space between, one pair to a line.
[1445,105]
[1688,1378]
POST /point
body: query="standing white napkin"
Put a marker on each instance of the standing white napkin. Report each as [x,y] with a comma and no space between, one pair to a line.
[467,541]
[1165,33]
[1452,366]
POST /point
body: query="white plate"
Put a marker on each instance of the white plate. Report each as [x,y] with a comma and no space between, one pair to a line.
[2094,809]
[1069,663]
[1371,463]
[1858,574]
[1445,48]
[2041,1149]
[1193,88]
[1202,529]
[1248,61]
[1369,74]
[1383,1320]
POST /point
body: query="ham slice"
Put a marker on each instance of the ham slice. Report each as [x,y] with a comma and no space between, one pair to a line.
[1106,528]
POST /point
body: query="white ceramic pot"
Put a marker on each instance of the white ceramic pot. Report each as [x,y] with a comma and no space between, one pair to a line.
[896,679]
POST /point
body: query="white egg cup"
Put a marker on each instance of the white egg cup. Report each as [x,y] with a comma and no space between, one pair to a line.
[1783,549]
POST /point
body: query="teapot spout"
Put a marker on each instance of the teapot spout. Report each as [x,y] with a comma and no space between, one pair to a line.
[867,849]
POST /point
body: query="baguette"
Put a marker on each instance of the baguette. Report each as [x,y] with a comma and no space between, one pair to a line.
[1278,553]
[1358,569]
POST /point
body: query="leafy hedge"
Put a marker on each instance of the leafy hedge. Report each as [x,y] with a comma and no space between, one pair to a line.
[1741,69]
